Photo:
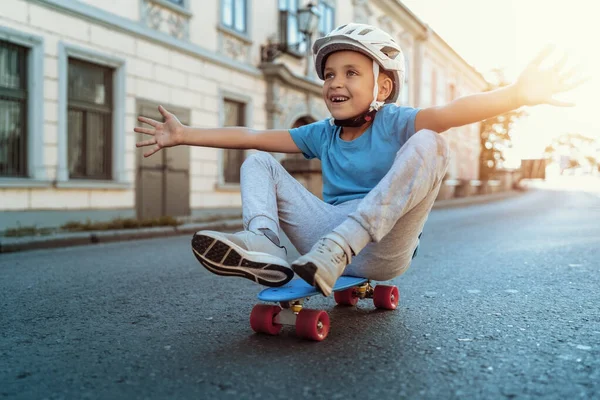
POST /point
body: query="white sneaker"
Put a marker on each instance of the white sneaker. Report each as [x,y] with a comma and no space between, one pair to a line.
[257,257]
[324,263]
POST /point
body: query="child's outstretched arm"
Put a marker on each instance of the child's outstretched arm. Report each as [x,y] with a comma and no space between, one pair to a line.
[173,133]
[534,86]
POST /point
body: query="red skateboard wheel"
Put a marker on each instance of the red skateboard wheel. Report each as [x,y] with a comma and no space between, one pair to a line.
[346,297]
[312,324]
[261,319]
[386,297]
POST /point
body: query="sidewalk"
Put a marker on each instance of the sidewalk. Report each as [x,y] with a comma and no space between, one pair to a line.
[14,244]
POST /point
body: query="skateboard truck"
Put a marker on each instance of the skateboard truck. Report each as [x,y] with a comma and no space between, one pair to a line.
[288,315]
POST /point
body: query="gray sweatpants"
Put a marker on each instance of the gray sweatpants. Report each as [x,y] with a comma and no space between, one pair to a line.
[382,229]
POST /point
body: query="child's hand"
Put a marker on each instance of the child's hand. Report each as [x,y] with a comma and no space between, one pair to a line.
[538,86]
[166,134]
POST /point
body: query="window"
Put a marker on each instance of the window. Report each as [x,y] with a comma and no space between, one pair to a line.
[234,115]
[289,12]
[13,110]
[234,15]
[89,122]
[292,35]
[326,21]
[180,3]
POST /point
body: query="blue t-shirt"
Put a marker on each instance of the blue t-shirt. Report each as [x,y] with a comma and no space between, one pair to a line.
[351,169]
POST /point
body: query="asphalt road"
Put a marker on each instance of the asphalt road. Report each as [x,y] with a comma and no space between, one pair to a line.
[502,302]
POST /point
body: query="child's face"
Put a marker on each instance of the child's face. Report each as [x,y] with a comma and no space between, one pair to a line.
[348,86]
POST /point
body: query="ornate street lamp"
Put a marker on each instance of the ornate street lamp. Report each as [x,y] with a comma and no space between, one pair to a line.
[308,22]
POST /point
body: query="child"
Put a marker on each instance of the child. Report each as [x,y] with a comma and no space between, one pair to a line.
[382,167]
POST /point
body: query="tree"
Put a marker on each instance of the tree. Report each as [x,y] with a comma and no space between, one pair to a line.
[495,134]
[574,150]
[549,153]
[592,162]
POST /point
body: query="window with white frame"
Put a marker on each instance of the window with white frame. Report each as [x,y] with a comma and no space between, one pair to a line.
[293,37]
[234,115]
[327,19]
[21,106]
[13,110]
[233,15]
[89,121]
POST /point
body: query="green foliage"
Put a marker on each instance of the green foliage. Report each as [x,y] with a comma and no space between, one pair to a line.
[119,223]
[76,226]
[21,231]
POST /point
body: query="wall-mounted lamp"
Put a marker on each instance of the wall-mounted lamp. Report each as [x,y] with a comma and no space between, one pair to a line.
[308,22]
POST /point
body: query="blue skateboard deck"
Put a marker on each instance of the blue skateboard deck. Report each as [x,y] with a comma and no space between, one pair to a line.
[299,289]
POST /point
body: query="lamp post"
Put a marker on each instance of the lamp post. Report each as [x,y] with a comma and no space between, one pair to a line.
[308,22]
[308,19]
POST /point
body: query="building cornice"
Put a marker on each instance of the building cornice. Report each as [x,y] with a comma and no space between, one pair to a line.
[282,72]
[407,19]
[135,28]
[424,33]
[449,55]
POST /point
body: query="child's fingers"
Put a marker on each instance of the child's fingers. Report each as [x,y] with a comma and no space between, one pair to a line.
[542,56]
[154,150]
[144,130]
[560,103]
[148,121]
[561,64]
[163,112]
[570,73]
[143,143]
[573,85]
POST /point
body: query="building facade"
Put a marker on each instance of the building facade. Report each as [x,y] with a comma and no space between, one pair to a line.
[74,76]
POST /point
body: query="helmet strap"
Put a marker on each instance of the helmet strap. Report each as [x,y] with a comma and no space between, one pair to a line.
[355,122]
[368,115]
[376,105]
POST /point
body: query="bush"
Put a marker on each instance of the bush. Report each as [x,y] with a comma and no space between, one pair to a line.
[77,226]
[120,223]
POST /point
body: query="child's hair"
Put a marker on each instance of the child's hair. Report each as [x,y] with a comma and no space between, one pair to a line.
[370,41]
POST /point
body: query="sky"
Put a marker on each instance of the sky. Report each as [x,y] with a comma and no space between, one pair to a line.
[508,34]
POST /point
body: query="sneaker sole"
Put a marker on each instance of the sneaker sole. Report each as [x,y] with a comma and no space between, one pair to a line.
[228,259]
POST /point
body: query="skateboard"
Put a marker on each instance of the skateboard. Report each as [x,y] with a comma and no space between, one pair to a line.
[314,324]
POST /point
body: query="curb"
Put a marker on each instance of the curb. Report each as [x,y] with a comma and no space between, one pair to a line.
[477,199]
[11,245]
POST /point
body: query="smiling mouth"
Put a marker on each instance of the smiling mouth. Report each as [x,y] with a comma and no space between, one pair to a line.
[338,99]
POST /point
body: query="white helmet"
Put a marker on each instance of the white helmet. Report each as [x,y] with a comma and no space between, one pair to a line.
[372,42]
